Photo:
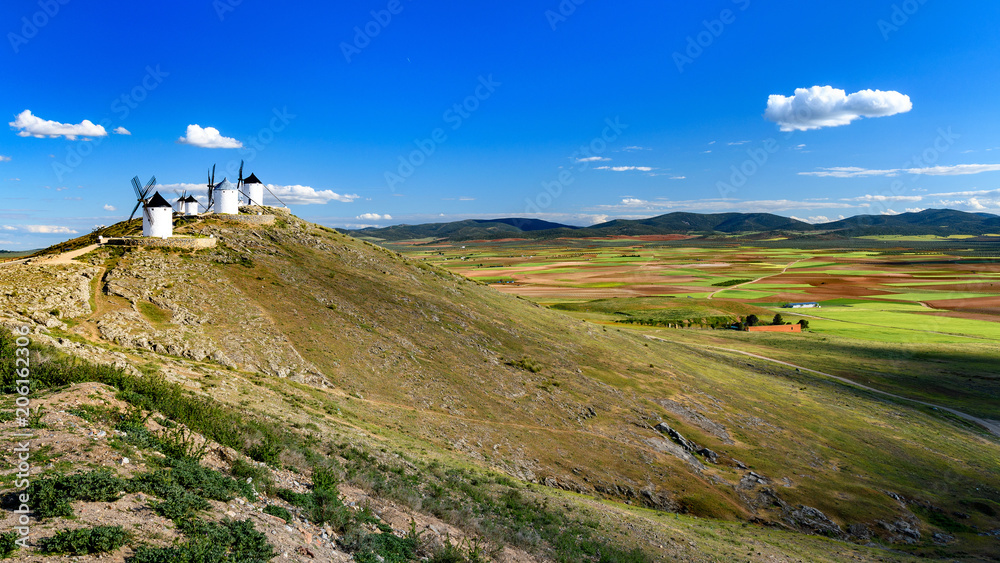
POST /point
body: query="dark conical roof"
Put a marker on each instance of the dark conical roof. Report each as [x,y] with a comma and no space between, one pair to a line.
[252,179]
[158,201]
[190,198]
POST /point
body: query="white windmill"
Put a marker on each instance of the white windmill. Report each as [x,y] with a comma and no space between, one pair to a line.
[226,198]
[157,214]
[254,190]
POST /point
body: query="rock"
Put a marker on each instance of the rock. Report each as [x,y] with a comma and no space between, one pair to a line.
[814,520]
[860,531]
[676,436]
[942,538]
[709,455]
[125,461]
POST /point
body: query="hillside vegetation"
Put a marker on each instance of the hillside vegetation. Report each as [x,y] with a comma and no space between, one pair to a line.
[316,347]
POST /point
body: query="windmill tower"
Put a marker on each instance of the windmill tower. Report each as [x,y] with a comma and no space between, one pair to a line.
[157,218]
[191,206]
[157,214]
[226,198]
[254,190]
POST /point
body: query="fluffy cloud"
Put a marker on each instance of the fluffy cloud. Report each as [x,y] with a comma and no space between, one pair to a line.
[208,138]
[109,207]
[305,195]
[825,106]
[593,159]
[374,217]
[32,126]
[4,158]
[855,172]
[121,131]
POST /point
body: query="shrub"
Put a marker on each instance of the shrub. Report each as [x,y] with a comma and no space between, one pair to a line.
[51,496]
[99,539]
[8,544]
[526,363]
[228,541]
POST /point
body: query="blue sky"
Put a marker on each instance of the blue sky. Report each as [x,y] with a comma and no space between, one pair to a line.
[402,111]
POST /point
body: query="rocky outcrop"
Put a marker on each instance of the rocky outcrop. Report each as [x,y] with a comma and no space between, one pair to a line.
[689,446]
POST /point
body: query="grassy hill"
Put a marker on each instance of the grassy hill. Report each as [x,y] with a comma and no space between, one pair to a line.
[439,382]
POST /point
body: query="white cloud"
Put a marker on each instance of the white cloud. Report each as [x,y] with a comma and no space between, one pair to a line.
[638,148]
[890,212]
[736,143]
[825,106]
[41,229]
[593,159]
[877,197]
[624,168]
[374,217]
[32,126]
[678,177]
[121,131]
[956,170]
[109,207]
[915,209]
[722,204]
[4,158]
[818,219]
[305,195]
[466,199]
[856,172]
[966,193]
[208,138]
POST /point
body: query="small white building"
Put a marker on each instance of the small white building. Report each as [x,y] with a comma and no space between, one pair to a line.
[157,218]
[254,189]
[227,199]
[190,205]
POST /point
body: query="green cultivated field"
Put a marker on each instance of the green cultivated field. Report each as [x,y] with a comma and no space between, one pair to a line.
[873,325]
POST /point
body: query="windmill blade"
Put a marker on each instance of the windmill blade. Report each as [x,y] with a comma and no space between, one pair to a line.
[213,174]
[272,195]
[145,211]
[137,204]
[240,181]
[137,187]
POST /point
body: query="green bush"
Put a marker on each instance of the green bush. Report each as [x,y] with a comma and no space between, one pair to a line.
[527,364]
[226,542]
[51,496]
[377,548]
[99,539]
[8,544]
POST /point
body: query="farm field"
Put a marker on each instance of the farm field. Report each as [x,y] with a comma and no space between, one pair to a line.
[921,322]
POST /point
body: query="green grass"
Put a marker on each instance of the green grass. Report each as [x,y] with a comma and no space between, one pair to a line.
[153,314]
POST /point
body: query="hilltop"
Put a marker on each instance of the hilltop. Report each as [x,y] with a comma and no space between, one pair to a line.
[937,222]
[457,403]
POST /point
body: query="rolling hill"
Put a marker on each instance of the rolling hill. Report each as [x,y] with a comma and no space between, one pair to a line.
[939,222]
[459,394]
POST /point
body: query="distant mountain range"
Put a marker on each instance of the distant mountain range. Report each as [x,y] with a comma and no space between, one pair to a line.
[941,222]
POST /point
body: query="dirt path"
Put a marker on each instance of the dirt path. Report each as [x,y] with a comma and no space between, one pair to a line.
[990,425]
[783,270]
